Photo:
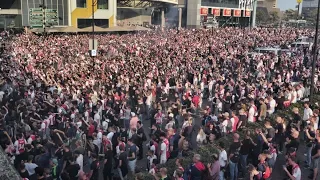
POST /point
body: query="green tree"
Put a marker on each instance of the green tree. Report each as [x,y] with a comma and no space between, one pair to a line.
[290,14]
[261,17]
[311,16]
[274,17]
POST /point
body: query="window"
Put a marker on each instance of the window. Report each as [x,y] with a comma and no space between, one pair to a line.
[81,3]
[103,4]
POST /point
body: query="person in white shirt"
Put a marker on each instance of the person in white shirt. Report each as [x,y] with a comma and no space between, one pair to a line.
[252,112]
[1,95]
[307,112]
[150,158]
[79,159]
[272,105]
[294,96]
[30,167]
[163,155]
[223,158]
[296,171]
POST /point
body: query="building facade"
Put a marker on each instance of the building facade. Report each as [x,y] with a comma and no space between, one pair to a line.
[62,7]
[10,14]
[270,5]
[105,12]
[308,6]
[76,13]
[226,12]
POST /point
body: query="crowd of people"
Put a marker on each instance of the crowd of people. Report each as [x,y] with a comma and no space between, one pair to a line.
[66,115]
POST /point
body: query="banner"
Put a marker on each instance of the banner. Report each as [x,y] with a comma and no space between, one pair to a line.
[246,13]
[203,11]
[216,11]
[237,13]
[226,12]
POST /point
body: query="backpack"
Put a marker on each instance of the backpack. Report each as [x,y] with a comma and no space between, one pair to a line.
[267,173]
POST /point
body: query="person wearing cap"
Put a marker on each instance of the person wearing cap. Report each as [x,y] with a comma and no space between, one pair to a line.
[171,122]
[54,168]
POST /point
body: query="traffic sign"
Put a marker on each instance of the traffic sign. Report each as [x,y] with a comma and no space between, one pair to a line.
[36,17]
[51,17]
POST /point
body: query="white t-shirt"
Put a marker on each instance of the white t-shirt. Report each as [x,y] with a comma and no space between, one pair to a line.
[300,94]
[294,96]
[163,156]
[223,158]
[251,114]
[224,125]
[149,100]
[297,173]
[30,168]
[307,113]
[1,95]
[272,105]
[79,161]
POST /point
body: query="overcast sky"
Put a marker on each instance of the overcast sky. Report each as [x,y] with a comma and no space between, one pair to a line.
[287,4]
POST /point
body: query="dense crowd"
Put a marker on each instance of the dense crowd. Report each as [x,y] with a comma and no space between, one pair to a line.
[66,115]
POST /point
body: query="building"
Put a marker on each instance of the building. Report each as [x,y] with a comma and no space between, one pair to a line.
[226,12]
[76,13]
[105,12]
[308,6]
[270,5]
[10,14]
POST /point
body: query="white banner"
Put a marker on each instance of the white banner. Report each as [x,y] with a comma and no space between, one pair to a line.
[167,1]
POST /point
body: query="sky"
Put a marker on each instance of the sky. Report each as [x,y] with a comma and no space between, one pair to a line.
[286,4]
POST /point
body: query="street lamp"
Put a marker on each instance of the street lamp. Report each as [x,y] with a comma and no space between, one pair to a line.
[43,15]
[94,3]
[315,54]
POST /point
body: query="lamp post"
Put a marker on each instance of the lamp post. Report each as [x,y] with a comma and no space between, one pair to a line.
[43,6]
[315,55]
[94,3]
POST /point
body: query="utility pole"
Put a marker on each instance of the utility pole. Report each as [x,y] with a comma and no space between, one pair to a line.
[315,56]
[43,6]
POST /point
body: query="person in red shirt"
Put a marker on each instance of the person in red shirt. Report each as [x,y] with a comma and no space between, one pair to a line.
[196,100]
[91,128]
[235,121]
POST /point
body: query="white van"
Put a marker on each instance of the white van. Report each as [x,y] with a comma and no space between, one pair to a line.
[262,50]
[302,44]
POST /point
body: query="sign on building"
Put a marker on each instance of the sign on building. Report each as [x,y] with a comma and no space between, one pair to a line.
[36,17]
[51,17]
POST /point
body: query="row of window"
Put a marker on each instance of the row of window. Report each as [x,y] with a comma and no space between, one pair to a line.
[101,4]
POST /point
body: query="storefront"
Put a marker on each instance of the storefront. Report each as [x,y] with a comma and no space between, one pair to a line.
[226,16]
[234,13]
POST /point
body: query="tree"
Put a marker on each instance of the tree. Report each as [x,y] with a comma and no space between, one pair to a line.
[290,14]
[261,17]
[274,16]
[311,16]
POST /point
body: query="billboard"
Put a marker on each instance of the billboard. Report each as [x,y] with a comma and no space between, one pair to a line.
[237,12]
[216,11]
[167,1]
[226,12]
